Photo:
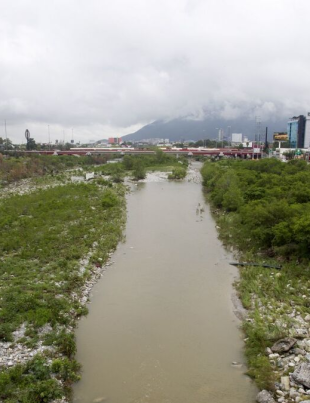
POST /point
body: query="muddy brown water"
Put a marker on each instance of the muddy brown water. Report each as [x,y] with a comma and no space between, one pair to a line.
[161,327]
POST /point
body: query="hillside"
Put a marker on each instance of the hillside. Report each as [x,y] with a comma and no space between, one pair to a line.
[184,129]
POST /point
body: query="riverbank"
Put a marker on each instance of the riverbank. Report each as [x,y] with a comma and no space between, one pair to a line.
[69,231]
[70,228]
[277,324]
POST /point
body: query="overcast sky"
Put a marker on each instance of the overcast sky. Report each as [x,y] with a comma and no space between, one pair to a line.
[101,68]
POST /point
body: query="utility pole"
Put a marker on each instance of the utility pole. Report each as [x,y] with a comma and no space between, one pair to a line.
[266,140]
[257,133]
[6,136]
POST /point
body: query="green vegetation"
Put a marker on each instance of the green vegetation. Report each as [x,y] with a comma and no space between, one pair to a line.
[262,208]
[138,165]
[44,236]
[177,173]
[13,169]
[37,381]
[267,204]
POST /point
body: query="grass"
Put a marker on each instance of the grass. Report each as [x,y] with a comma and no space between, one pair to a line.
[44,235]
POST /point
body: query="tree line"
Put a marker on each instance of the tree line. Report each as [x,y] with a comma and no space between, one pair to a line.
[265,204]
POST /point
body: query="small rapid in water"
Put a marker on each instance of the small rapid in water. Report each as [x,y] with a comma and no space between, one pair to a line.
[161,327]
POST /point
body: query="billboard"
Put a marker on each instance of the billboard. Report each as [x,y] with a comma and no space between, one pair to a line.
[280,136]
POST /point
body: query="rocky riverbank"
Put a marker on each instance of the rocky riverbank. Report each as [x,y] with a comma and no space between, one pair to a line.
[45,288]
[290,360]
[13,353]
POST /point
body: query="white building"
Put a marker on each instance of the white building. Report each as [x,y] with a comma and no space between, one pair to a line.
[307,132]
[221,135]
[236,137]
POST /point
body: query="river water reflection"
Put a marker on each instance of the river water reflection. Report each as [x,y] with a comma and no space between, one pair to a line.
[161,327]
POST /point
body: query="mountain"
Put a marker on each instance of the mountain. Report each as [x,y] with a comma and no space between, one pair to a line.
[186,129]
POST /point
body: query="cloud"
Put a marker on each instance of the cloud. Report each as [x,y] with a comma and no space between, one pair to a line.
[103,67]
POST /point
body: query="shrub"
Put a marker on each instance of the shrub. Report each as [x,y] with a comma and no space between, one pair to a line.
[66,369]
[177,173]
[66,344]
[139,170]
[109,199]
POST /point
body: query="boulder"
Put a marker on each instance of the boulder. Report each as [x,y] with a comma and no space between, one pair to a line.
[90,175]
[299,333]
[265,397]
[285,383]
[283,345]
[301,374]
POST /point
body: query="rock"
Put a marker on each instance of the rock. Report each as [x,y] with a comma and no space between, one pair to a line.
[90,175]
[285,382]
[293,393]
[283,345]
[299,333]
[298,351]
[301,344]
[307,318]
[265,397]
[236,364]
[301,374]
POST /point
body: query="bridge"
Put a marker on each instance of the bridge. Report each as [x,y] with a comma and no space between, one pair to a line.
[187,152]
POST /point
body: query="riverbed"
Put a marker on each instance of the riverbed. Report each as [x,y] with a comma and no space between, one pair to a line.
[161,327]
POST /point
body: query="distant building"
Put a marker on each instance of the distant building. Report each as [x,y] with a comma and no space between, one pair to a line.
[247,144]
[115,140]
[221,135]
[236,138]
[307,132]
[296,131]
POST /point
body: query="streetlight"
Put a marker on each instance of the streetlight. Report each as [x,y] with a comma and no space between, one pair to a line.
[49,137]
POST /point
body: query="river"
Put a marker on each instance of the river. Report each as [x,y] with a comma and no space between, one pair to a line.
[161,327]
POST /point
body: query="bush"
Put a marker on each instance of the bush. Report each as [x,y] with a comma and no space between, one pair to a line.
[109,199]
[43,392]
[139,170]
[177,173]
[66,369]
[66,344]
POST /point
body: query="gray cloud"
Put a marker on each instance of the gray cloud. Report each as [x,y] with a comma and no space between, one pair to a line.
[106,68]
